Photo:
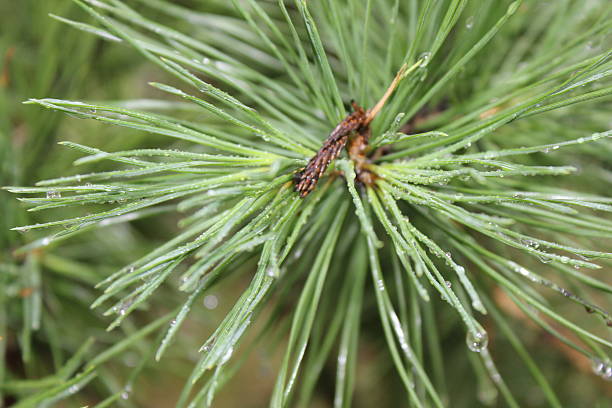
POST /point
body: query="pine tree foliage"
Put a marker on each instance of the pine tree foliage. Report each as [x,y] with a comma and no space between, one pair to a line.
[489,164]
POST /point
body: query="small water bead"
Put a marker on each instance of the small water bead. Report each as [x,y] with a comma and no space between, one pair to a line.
[543,258]
[424,58]
[227,355]
[469,23]
[272,272]
[54,194]
[530,243]
[477,341]
[73,389]
[380,285]
[298,253]
[602,369]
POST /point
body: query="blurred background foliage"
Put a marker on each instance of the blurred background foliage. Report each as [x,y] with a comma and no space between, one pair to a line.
[46,320]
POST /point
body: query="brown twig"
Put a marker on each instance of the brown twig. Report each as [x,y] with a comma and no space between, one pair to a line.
[355,130]
[306,180]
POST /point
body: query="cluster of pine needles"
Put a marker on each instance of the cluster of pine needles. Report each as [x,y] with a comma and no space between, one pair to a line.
[484,210]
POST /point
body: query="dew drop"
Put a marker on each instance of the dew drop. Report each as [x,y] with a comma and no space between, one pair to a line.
[298,253]
[73,389]
[543,258]
[272,272]
[424,58]
[54,194]
[469,23]
[477,341]
[380,285]
[227,356]
[602,369]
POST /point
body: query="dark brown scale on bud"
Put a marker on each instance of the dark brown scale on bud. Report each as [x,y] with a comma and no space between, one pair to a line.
[306,180]
[354,130]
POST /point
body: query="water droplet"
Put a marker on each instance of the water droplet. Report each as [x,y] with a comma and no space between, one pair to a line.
[543,258]
[211,302]
[205,60]
[45,241]
[380,285]
[227,356]
[448,284]
[602,369]
[272,272]
[424,58]
[298,253]
[477,341]
[54,194]
[125,395]
[469,23]
[73,389]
